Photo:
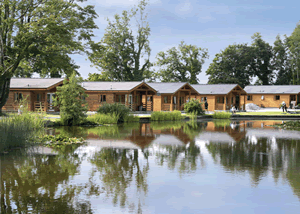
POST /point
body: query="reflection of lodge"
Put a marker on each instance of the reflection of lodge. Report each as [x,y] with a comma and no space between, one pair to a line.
[233,131]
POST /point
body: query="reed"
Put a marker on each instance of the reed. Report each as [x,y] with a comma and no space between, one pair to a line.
[20,130]
[103,118]
[221,115]
[166,116]
[131,118]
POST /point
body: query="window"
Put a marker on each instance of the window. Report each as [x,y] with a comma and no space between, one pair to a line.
[220,99]
[174,100]
[149,99]
[18,97]
[277,97]
[102,98]
[203,99]
[165,99]
[249,97]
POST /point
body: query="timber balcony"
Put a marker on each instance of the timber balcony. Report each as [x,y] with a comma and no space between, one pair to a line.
[45,106]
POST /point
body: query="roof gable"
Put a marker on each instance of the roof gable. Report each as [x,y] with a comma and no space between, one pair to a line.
[167,87]
[214,88]
[112,86]
[34,83]
[273,89]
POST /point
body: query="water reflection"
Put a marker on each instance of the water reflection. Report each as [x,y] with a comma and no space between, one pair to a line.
[134,168]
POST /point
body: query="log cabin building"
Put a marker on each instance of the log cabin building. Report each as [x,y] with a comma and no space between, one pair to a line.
[39,93]
[221,96]
[271,96]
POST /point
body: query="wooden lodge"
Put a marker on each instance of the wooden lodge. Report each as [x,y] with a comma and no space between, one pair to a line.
[38,92]
[142,96]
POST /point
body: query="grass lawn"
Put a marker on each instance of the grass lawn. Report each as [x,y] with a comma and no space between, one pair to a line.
[270,113]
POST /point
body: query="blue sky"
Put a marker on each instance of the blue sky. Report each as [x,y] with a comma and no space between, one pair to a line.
[213,24]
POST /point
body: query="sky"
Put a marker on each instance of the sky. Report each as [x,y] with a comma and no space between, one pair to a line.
[212,24]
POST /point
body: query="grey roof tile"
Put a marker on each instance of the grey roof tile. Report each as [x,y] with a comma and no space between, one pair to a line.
[214,88]
[108,86]
[273,89]
[166,87]
[40,83]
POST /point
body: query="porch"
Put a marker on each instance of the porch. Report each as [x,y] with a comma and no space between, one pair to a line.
[233,98]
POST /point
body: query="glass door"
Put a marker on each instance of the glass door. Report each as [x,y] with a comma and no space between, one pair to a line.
[50,100]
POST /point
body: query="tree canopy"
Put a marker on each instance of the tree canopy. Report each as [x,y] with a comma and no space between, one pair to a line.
[121,50]
[232,65]
[38,36]
[181,64]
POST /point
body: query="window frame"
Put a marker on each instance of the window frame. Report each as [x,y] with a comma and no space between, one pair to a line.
[249,97]
[277,96]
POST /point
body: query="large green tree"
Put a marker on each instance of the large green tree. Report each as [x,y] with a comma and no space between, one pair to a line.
[38,36]
[181,64]
[232,65]
[294,47]
[262,59]
[103,77]
[282,62]
[121,50]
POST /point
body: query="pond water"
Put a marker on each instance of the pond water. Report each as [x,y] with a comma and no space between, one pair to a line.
[180,167]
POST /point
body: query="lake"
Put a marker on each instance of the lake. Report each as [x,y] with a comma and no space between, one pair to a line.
[217,166]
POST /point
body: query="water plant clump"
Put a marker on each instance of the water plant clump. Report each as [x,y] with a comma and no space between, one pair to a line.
[103,118]
[115,108]
[166,116]
[20,130]
[53,141]
[221,115]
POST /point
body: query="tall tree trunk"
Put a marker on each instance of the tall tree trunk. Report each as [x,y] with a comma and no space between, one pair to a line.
[4,90]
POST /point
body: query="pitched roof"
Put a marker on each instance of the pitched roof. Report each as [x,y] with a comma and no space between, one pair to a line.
[214,88]
[166,87]
[109,86]
[273,89]
[26,83]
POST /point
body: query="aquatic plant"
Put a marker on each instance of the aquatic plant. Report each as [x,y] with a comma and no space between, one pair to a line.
[20,130]
[115,108]
[104,118]
[165,116]
[221,115]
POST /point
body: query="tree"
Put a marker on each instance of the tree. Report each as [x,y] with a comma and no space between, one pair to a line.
[231,66]
[103,77]
[120,52]
[261,64]
[181,64]
[71,101]
[294,47]
[38,36]
[282,62]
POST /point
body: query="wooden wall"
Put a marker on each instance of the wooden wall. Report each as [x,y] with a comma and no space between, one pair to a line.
[11,105]
[94,102]
[157,103]
[269,100]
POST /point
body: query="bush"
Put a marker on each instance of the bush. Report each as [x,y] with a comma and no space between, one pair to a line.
[131,118]
[221,115]
[161,116]
[194,107]
[19,130]
[118,109]
[71,103]
[103,118]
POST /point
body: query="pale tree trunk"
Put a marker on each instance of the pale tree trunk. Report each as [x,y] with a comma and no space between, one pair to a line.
[4,90]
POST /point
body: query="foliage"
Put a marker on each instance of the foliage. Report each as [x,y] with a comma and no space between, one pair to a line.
[194,107]
[38,36]
[157,125]
[294,48]
[69,100]
[120,52]
[232,65]
[115,108]
[104,118]
[103,77]
[181,64]
[291,125]
[221,115]
[131,118]
[222,123]
[19,130]
[161,116]
[57,140]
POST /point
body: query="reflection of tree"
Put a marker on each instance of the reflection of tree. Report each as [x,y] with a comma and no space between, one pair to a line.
[119,170]
[281,157]
[39,184]
[185,157]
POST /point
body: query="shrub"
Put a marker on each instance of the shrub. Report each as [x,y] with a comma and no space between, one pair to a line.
[131,118]
[194,107]
[71,103]
[103,118]
[161,116]
[221,115]
[115,108]
[19,130]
